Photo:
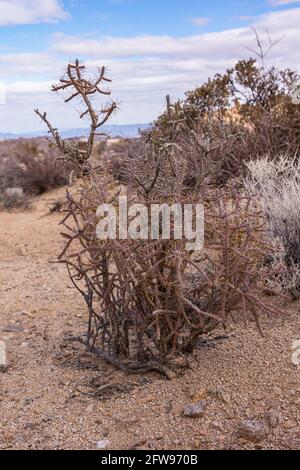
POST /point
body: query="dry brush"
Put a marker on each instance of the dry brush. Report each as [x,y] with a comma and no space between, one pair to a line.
[148,301]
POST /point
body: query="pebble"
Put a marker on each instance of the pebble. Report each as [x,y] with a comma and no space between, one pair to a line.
[195,410]
[14,328]
[103,444]
[135,445]
[252,430]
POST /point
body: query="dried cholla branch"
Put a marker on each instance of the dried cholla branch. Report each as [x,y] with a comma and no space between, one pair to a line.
[80,87]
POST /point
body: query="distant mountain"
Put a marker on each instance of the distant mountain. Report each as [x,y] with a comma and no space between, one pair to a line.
[122,130]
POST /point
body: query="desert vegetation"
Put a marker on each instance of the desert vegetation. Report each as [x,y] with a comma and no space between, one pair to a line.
[231,145]
[150,301]
[28,168]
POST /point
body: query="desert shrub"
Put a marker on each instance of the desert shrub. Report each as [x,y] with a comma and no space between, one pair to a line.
[215,153]
[277,183]
[149,300]
[118,155]
[14,198]
[32,167]
[243,114]
[231,119]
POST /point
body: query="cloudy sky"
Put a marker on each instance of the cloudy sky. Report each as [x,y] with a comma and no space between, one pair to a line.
[151,48]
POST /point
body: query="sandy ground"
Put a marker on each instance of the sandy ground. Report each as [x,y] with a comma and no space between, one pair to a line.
[50,395]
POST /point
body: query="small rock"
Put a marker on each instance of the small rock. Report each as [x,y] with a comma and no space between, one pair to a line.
[14,328]
[3,361]
[274,418]
[135,445]
[20,439]
[103,444]
[195,410]
[252,430]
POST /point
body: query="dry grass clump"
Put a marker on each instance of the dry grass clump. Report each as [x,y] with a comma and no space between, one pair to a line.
[32,167]
[14,198]
[277,183]
[56,205]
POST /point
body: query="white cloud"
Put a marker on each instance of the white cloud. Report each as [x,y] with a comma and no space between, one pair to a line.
[226,44]
[276,3]
[144,69]
[16,12]
[200,21]
[143,46]
[28,87]
[16,65]
[247,18]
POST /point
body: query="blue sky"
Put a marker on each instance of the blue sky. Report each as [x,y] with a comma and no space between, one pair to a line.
[152,47]
[128,18]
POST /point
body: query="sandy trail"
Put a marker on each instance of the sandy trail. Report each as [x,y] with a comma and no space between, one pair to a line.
[48,395]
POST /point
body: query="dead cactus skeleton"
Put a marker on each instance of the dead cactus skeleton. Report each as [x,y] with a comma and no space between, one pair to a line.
[78,86]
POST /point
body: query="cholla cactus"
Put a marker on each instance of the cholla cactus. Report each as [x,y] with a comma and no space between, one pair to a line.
[78,86]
